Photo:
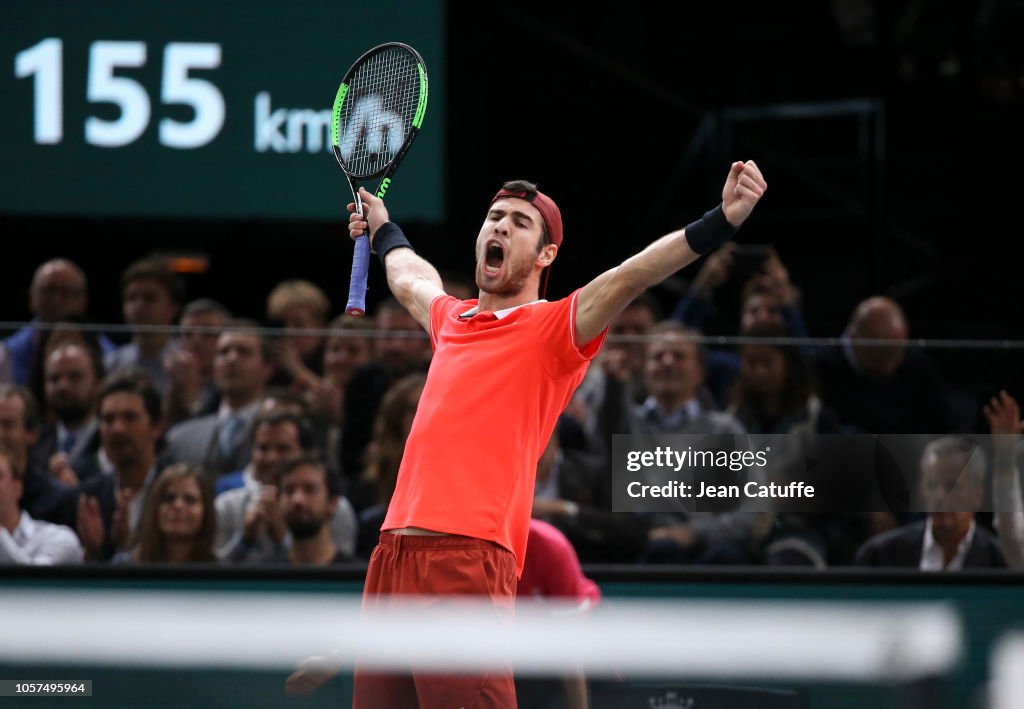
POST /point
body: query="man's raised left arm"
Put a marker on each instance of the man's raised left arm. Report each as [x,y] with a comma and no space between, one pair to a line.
[608,294]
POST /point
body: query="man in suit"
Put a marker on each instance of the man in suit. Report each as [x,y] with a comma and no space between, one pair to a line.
[222,442]
[952,489]
[107,507]
[72,374]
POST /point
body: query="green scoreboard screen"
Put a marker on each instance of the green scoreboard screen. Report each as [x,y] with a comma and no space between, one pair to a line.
[199,109]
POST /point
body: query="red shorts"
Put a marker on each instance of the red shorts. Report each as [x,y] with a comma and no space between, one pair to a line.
[442,566]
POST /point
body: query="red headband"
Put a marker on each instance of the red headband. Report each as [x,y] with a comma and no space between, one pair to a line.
[545,205]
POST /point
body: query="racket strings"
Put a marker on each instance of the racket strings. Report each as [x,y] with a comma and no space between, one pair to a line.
[378,111]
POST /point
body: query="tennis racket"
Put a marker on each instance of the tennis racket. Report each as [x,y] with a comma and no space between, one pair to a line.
[377,113]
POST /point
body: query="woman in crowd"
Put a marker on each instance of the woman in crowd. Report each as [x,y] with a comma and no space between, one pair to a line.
[178,521]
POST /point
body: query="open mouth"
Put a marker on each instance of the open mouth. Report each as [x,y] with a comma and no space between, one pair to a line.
[494,256]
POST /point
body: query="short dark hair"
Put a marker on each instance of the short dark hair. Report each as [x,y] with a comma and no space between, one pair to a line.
[88,344]
[257,331]
[155,269]
[307,438]
[331,479]
[206,305]
[132,381]
[663,327]
[30,417]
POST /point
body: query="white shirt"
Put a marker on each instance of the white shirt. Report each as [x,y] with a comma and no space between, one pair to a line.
[138,503]
[41,543]
[931,553]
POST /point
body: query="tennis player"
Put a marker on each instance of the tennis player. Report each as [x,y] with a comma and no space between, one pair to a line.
[504,367]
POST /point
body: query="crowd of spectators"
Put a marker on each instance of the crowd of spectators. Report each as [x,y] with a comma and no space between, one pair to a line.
[192,434]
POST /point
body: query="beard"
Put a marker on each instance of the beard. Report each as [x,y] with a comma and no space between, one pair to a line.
[70,410]
[304,528]
[513,281]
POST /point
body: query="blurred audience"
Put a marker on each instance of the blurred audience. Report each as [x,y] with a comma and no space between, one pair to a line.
[88,455]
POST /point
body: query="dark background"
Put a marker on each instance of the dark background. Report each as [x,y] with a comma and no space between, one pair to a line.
[602,105]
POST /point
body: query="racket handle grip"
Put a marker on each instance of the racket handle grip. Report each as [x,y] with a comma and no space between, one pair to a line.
[360,270]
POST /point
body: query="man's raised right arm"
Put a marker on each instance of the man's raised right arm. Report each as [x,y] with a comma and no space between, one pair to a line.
[411,278]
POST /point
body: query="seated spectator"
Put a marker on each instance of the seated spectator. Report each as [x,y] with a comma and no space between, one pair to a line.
[251,526]
[274,399]
[24,540]
[952,489]
[192,390]
[178,522]
[72,331]
[222,442]
[309,501]
[1003,414]
[58,291]
[73,372]
[42,496]
[874,383]
[348,348]
[298,305]
[151,296]
[674,379]
[107,506]
[775,393]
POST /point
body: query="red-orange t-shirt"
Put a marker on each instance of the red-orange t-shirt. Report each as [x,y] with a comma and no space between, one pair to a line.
[495,388]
